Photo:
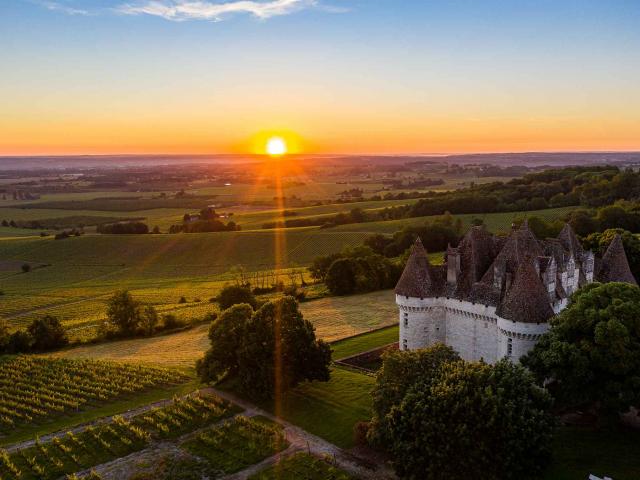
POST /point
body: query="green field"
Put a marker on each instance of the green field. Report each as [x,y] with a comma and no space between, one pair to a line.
[344,318]
[494,221]
[79,274]
[365,342]
[609,451]
[82,272]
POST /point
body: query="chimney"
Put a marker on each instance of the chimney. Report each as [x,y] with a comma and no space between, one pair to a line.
[453,265]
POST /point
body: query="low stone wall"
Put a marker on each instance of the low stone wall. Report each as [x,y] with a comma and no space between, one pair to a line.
[364,360]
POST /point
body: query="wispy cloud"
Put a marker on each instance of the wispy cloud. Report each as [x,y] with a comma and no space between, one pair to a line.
[178,10]
[61,7]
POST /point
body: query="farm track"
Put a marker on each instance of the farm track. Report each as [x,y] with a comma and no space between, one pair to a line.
[299,441]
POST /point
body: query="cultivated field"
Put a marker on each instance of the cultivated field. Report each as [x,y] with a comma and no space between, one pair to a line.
[105,442]
[39,392]
[494,222]
[334,318]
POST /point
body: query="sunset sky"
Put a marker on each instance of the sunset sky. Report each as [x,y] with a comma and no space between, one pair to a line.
[330,76]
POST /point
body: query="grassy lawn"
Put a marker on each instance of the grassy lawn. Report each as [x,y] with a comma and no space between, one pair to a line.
[363,343]
[578,452]
[327,409]
[341,317]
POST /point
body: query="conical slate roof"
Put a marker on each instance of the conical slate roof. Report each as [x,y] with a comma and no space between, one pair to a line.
[416,280]
[615,266]
[570,241]
[527,300]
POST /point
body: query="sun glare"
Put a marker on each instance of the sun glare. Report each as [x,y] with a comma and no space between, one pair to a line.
[276,146]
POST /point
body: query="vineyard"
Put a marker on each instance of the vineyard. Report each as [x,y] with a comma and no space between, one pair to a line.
[302,466]
[105,442]
[237,444]
[35,390]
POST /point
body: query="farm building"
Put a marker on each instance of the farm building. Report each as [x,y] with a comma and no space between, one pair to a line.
[494,296]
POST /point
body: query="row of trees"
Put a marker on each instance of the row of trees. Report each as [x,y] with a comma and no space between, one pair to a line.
[356,270]
[42,335]
[125,228]
[204,226]
[127,317]
[573,186]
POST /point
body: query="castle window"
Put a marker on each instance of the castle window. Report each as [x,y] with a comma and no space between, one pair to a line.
[509,347]
[404,344]
[406,319]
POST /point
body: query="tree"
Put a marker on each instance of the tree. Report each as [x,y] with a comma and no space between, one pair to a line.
[267,351]
[26,268]
[582,222]
[399,372]
[123,313]
[341,276]
[226,334]
[592,351]
[47,334]
[20,342]
[280,350]
[149,319]
[320,265]
[235,295]
[470,418]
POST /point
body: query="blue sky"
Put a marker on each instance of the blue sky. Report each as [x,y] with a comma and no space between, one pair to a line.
[351,76]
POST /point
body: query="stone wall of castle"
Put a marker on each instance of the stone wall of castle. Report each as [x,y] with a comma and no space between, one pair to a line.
[473,330]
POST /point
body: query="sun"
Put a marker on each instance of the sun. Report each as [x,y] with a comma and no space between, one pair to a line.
[276,146]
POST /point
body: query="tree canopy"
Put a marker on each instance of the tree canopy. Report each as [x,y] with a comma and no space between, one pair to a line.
[269,350]
[463,418]
[235,294]
[592,351]
[47,333]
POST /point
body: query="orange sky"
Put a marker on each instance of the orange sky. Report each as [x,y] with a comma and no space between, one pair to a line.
[373,77]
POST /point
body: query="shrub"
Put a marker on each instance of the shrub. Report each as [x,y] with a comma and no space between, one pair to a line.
[341,276]
[171,322]
[47,333]
[26,268]
[234,295]
[123,313]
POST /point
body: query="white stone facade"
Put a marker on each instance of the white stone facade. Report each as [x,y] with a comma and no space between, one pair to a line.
[472,330]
